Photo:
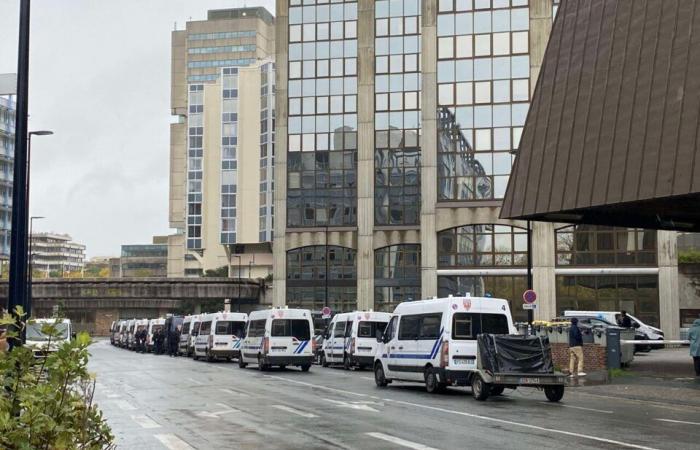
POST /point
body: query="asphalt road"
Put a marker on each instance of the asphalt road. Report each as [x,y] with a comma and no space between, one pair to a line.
[157,402]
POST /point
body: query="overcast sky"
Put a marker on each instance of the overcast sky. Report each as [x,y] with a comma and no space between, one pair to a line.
[100,79]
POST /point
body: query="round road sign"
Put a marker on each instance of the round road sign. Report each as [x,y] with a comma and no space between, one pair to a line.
[326,312]
[529,296]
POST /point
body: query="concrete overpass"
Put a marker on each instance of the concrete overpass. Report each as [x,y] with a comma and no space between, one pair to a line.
[93,303]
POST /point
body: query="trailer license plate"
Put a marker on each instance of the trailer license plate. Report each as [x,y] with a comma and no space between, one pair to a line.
[529,381]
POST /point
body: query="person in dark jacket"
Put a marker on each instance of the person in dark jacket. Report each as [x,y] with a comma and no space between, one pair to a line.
[158,338]
[694,338]
[625,321]
[173,340]
[143,334]
[575,349]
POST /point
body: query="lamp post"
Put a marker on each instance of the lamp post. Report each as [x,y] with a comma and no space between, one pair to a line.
[30,268]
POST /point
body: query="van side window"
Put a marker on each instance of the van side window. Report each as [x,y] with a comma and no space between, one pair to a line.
[409,326]
[390,330]
[470,325]
[186,328]
[430,326]
[205,328]
[339,330]
[256,328]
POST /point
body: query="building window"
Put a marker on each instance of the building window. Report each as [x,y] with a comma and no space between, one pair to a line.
[229,162]
[482,246]
[195,152]
[483,95]
[397,275]
[397,112]
[592,245]
[322,120]
[322,275]
[636,294]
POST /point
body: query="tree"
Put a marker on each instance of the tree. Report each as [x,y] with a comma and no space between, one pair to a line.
[221,272]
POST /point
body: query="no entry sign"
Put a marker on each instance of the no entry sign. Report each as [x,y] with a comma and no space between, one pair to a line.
[529,296]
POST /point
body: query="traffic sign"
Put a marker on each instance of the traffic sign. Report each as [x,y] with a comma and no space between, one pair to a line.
[326,313]
[530,306]
[529,296]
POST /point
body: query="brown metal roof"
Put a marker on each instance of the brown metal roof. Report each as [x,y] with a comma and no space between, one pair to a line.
[612,132]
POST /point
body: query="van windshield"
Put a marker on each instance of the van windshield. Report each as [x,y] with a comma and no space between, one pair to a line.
[155,328]
[370,329]
[230,328]
[298,328]
[470,325]
[186,328]
[34,332]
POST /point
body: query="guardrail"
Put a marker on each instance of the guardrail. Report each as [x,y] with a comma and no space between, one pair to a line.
[660,342]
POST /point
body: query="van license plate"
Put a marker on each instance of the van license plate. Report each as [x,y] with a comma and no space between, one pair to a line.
[529,381]
[462,362]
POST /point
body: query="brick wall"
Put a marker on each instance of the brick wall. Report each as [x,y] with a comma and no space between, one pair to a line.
[594,357]
[103,320]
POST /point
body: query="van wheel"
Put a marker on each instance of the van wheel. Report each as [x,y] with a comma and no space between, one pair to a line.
[379,377]
[346,363]
[283,366]
[497,390]
[305,367]
[554,393]
[261,366]
[195,357]
[324,363]
[480,389]
[210,358]
[241,364]
[432,383]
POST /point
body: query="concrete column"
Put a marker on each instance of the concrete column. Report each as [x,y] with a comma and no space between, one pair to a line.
[543,263]
[365,155]
[669,304]
[429,150]
[279,266]
[540,28]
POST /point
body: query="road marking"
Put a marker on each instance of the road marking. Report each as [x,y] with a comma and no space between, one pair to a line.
[145,421]
[194,381]
[173,442]
[239,394]
[679,421]
[125,406]
[352,405]
[560,405]
[399,441]
[318,386]
[215,415]
[295,411]
[367,378]
[523,425]
[616,398]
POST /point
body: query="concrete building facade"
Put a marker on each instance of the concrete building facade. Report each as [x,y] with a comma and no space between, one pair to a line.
[145,260]
[397,125]
[222,145]
[56,255]
[7,157]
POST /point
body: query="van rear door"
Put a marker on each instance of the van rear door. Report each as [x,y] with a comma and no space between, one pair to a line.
[466,326]
[290,337]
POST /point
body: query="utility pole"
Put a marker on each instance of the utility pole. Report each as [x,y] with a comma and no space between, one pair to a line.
[530,313]
[18,237]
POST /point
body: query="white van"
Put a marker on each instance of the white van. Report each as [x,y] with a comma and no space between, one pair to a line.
[652,333]
[139,324]
[279,337]
[128,335]
[42,344]
[220,336]
[194,332]
[351,338]
[434,341]
[123,330]
[153,325]
[184,336]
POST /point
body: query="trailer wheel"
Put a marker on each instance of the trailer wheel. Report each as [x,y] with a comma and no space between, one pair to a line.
[554,393]
[432,383]
[379,377]
[241,364]
[480,389]
[497,390]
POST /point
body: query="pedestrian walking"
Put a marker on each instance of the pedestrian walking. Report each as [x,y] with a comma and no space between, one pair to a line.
[694,338]
[624,321]
[575,349]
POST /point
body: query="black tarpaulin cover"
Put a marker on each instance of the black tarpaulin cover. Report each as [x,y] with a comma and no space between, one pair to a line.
[521,354]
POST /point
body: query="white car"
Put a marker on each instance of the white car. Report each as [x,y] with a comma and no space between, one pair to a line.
[220,336]
[434,341]
[652,333]
[351,338]
[279,337]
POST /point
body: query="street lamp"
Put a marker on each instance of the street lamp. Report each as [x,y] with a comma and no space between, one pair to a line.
[30,269]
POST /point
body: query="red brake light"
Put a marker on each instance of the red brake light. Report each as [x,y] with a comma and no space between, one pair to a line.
[445,354]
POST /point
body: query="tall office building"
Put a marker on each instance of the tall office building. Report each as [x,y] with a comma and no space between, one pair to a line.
[397,125]
[221,164]
[7,157]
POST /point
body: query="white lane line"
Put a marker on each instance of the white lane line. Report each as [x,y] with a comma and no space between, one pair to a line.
[145,421]
[399,441]
[295,411]
[194,381]
[524,425]
[125,406]
[341,391]
[361,406]
[678,421]
[367,378]
[239,394]
[172,442]
[560,405]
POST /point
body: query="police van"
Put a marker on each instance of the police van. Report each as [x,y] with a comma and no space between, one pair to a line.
[139,324]
[351,338]
[220,335]
[184,336]
[194,332]
[117,332]
[434,341]
[153,326]
[279,337]
[128,333]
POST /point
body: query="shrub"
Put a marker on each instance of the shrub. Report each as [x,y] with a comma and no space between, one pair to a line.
[47,402]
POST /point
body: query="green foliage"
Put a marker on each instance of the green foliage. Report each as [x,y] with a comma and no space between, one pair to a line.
[689,257]
[46,402]
[221,272]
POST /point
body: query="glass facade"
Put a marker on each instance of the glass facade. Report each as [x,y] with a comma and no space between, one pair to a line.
[636,294]
[591,245]
[476,246]
[195,153]
[396,275]
[322,120]
[7,153]
[483,94]
[509,287]
[322,275]
[267,150]
[229,157]
[397,112]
